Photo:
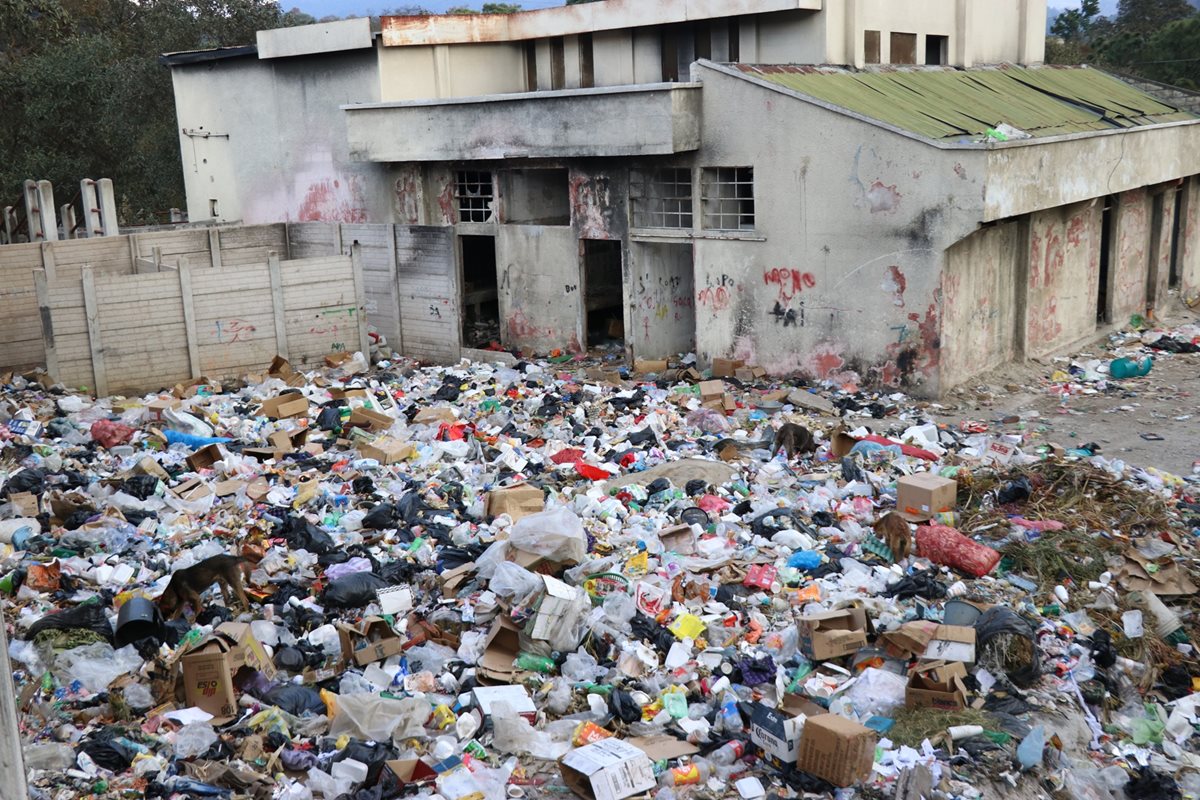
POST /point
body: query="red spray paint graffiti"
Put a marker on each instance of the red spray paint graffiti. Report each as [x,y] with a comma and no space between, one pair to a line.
[329,201]
[895,283]
[791,282]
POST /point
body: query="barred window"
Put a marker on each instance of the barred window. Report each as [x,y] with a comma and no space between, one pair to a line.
[475,194]
[728,198]
[661,198]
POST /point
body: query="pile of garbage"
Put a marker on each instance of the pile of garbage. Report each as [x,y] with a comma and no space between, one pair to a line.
[489,582]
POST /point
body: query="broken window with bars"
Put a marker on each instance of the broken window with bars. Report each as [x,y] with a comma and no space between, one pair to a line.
[475,194]
[661,198]
[727,198]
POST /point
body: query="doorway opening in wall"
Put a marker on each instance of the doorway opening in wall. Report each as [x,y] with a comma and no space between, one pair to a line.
[1173,280]
[937,49]
[478,292]
[1107,244]
[603,297]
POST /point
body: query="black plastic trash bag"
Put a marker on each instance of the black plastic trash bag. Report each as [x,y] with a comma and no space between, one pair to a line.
[1006,642]
[295,700]
[140,486]
[353,591]
[374,755]
[89,616]
[303,535]
[381,517]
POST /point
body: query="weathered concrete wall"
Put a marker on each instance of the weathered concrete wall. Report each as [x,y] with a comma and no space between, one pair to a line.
[1029,176]
[1189,241]
[537,125]
[980,302]
[661,299]
[598,196]
[460,70]
[854,222]
[1160,279]
[1131,250]
[1063,280]
[540,302]
[275,149]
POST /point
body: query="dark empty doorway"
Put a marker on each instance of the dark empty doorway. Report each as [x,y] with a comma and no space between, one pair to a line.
[1107,244]
[480,303]
[604,320]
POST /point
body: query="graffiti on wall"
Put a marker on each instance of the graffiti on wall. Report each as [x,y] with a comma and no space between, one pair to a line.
[232,331]
[334,200]
[592,209]
[717,293]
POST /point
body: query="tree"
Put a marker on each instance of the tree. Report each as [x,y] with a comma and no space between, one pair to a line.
[85,96]
[501,8]
[1073,24]
[577,2]
[1146,17]
[1177,47]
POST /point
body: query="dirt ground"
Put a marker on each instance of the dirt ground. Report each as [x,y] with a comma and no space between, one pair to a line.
[1163,403]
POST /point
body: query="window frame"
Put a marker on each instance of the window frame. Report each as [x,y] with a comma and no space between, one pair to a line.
[469,206]
[711,179]
[654,209]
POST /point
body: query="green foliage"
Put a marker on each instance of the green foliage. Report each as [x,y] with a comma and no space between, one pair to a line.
[1179,42]
[1072,25]
[85,96]
[488,8]
[577,2]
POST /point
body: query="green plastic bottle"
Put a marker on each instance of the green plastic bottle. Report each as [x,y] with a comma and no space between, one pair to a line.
[535,663]
[1128,368]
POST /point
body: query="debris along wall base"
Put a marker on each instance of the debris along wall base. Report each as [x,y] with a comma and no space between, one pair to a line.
[135,333]
[128,254]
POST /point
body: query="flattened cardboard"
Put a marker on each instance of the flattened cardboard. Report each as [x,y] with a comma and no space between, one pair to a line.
[663,746]
[288,441]
[841,443]
[370,640]
[650,366]
[25,503]
[342,393]
[679,539]
[437,414]
[837,750]
[517,501]
[284,406]
[832,634]
[610,769]
[554,607]
[156,407]
[909,639]
[920,496]
[937,684]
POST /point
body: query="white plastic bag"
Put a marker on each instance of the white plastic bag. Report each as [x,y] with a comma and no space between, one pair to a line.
[556,534]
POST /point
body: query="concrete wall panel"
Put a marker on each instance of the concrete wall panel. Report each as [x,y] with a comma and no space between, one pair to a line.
[979,302]
[661,299]
[1130,267]
[540,303]
[1063,281]
[1189,241]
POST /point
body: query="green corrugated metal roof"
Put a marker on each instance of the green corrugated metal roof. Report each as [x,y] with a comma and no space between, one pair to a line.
[947,103]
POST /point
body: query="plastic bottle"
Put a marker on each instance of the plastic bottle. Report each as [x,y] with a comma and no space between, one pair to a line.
[1166,621]
[531,662]
[727,753]
[691,774]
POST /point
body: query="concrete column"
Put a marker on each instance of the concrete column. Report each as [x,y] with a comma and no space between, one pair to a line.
[108,207]
[66,213]
[963,56]
[91,207]
[33,212]
[12,762]
[48,217]
[856,54]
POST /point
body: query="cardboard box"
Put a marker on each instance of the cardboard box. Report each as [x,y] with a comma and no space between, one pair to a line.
[205,457]
[554,608]
[607,770]
[711,390]
[951,643]
[342,393]
[726,367]
[371,419]
[288,441]
[337,359]
[777,730]
[909,639]
[515,697]
[24,427]
[647,366]
[937,684]
[210,666]
[517,501]
[155,408]
[836,749]
[679,539]
[744,374]
[841,443]
[411,772]
[370,640]
[192,490]
[438,414]
[920,496]
[284,406]
[387,450]
[832,634]
[497,664]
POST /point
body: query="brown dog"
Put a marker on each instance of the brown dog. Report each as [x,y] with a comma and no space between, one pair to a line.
[188,584]
[894,530]
[794,439]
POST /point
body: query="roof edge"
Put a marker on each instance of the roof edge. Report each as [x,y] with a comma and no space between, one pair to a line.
[184,57]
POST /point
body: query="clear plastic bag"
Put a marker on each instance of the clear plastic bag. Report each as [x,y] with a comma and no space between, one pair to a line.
[372,716]
[95,666]
[556,534]
[194,740]
[514,582]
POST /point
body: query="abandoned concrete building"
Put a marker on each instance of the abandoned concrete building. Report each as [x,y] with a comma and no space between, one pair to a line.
[810,186]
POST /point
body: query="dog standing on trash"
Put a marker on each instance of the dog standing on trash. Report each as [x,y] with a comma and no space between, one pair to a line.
[189,583]
[894,530]
[793,439]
